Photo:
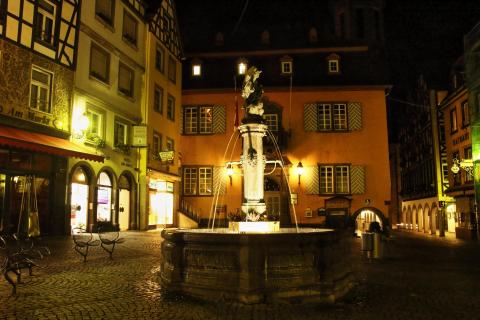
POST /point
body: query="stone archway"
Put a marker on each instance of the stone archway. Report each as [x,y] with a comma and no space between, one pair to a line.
[414,219]
[377,212]
[426,216]
[404,217]
[420,218]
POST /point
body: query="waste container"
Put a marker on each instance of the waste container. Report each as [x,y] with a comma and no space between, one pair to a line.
[377,246]
[367,241]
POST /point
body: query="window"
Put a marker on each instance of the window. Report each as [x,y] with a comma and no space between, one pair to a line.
[286,67]
[453,120]
[271,120]
[198,119]
[95,128]
[104,9]
[332,117]
[172,69]
[170,144]
[45,22]
[99,63]
[465,114]
[129,28]
[3,11]
[158,99]
[242,66]
[120,134]
[334,179]
[333,66]
[197,181]
[156,145]
[196,68]
[125,80]
[40,90]
[171,108]
[159,59]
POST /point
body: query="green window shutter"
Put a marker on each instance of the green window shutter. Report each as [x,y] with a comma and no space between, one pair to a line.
[310,117]
[354,116]
[219,183]
[311,180]
[219,119]
[357,179]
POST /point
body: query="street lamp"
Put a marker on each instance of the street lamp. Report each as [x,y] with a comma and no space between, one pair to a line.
[300,170]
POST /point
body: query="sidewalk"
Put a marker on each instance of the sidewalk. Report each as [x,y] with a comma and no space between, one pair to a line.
[422,279]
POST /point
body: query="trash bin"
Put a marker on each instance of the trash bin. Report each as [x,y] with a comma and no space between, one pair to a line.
[377,246]
[367,241]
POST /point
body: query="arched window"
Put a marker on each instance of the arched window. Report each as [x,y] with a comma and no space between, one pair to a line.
[104,197]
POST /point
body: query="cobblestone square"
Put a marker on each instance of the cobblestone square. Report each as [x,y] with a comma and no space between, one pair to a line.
[422,277]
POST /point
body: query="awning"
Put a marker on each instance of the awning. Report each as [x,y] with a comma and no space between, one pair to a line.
[21,139]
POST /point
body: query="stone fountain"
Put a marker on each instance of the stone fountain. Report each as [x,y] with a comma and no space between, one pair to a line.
[257,261]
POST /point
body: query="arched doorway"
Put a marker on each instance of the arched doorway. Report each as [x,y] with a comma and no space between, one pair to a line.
[427,214]
[80,190]
[104,197]
[124,202]
[408,222]
[404,217]
[364,216]
[414,219]
[450,212]
[434,220]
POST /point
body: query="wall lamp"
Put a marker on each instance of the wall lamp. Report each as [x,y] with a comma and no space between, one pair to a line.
[300,170]
[230,172]
[80,125]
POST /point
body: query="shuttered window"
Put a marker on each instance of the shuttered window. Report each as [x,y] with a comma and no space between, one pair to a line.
[125,80]
[332,117]
[99,63]
[203,119]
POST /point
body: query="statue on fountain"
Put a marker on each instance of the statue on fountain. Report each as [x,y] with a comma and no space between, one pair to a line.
[252,92]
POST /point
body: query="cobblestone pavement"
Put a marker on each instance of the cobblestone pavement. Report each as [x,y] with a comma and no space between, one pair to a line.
[421,278]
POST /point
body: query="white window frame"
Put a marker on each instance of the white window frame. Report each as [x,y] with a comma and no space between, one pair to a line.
[332,117]
[198,180]
[198,119]
[45,15]
[271,120]
[41,86]
[170,144]
[287,67]
[98,132]
[333,66]
[128,35]
[334,179]
[125,133]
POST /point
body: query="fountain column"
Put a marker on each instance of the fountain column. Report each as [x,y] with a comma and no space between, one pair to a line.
[253,163]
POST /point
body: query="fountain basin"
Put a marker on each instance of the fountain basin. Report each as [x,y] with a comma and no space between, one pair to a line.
[306,266]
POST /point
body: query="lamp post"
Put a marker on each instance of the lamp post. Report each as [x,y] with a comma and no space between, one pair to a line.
[300,170]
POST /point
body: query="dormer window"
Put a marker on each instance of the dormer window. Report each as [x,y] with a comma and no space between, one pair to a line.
[286,64]
[196,68]
[333,63]
[242,66]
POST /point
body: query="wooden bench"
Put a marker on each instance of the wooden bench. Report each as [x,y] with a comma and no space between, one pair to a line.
[83,240]
[109,238]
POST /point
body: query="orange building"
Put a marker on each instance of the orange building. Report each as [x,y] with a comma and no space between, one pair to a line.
[325,105]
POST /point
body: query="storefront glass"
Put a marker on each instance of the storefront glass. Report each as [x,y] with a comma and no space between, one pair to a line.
[161,203]
[104,198]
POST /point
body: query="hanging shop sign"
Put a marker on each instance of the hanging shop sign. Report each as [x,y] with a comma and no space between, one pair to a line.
[166,156]
[139,138]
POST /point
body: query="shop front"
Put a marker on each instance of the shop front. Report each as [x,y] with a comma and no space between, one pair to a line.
[33,170]
[161,203]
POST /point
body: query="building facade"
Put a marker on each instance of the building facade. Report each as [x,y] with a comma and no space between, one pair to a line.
[160,160]
[108,99]
[324,105]
[38,51]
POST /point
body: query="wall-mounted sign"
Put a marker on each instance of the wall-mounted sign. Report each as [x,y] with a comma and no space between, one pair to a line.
[308,213]
[166,156]
[294,198]
[139,138]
